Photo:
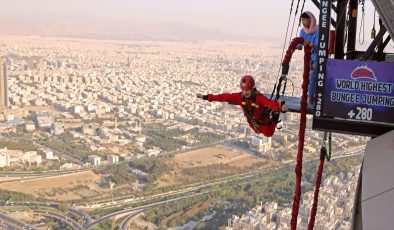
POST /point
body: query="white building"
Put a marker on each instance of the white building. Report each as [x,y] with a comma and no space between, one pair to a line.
[91,108]
[31,157]
[57,129]
[140,138]
[66,166]
[260,144]
[30,126]
[10,117]
[89,129]
[43,120]
[76,109]
[113,158]
[48,154]
[95,160]
[4,158]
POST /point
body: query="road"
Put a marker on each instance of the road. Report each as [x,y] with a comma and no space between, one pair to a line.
[141,208]
[88,223]
[125,223]
[199,185]
[33,175]
[313,161]
[12,223]
[5,225]
[67,220]
[86,219]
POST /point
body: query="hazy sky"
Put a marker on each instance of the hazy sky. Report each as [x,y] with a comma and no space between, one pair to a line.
[250,18]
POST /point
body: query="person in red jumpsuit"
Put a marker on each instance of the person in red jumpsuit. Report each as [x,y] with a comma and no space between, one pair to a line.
[261,113]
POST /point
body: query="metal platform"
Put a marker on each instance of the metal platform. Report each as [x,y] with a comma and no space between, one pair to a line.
[385,9]
[294,104]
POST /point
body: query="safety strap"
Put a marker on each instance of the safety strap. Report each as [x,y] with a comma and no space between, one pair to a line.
[301,131]
[323,156]
[249,111]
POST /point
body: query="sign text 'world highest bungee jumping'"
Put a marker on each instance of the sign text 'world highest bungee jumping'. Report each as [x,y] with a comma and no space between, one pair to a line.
[322,53]
[359,90]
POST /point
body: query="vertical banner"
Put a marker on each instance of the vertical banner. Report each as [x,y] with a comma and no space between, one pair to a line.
[322,55]
[360,90]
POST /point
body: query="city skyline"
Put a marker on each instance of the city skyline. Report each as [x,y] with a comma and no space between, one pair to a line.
[94,110]
[155,20]
[101,126]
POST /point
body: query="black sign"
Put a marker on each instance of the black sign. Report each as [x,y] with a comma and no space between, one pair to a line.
[322,55]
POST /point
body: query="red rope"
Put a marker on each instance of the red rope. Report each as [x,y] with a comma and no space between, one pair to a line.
[311,223]
[301,131]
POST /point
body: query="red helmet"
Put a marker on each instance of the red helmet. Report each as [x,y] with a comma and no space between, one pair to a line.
[247,82]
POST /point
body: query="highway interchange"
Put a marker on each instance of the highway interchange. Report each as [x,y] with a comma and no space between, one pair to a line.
[86,222]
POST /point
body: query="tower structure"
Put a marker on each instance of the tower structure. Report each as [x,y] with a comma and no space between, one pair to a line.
[3,85]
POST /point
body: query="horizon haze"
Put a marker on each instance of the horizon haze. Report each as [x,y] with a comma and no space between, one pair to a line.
[154,20]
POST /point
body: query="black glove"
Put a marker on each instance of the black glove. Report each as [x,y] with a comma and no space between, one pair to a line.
[275,117]
[205,97]
[285,69]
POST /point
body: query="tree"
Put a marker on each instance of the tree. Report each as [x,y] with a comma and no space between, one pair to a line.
[63,208]
[113,223]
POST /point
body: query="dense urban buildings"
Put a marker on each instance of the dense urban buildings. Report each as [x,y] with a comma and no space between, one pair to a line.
[335,208]
[76,107]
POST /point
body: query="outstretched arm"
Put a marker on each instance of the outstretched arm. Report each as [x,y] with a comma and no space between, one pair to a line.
[224,97]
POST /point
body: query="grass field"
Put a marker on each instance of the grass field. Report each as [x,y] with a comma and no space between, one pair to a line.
[215,155]
[205,157]
[61,188]
[218,161]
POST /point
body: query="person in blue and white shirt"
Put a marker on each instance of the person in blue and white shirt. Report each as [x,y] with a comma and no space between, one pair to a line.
[310,33]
